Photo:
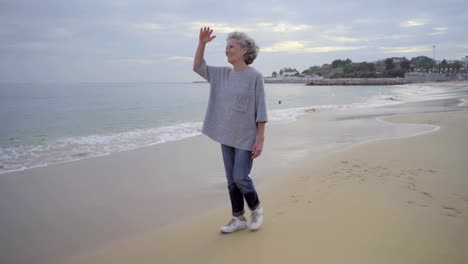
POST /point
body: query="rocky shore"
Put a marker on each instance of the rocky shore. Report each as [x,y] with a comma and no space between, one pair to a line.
[343,81]
[360,81]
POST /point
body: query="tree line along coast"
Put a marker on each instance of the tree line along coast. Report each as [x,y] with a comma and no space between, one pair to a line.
[390,71]
[388,68]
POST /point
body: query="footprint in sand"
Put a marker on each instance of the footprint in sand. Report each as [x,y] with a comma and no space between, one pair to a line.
[305,178]
[411,186]
[293,199]
[426,194]
[414,203]
[451,211]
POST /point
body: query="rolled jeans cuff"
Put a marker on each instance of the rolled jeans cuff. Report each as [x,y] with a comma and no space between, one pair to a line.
[237,214]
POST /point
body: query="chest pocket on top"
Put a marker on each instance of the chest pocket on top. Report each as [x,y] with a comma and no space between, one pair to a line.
[241,104]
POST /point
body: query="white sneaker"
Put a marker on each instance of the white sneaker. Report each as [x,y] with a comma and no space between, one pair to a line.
[257,219]
[234,225]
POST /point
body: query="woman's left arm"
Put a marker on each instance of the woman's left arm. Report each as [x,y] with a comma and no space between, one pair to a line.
[258,146]
[260,117]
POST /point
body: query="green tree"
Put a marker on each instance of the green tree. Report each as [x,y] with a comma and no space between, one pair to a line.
[421,62]
[359,70]
[456,66]
[312,70]
[442,65]
[405,65]
[336,64]
[340,63]
[389,64]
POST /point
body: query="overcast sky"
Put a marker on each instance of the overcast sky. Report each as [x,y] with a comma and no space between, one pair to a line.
[142,40]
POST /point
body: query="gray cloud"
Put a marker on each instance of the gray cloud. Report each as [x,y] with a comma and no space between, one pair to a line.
[116,40]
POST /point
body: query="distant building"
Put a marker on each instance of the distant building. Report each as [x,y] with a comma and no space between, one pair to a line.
[287,73]
[398,60]
[465,62]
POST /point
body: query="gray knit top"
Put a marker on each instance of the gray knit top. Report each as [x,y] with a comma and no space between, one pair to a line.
[236,104]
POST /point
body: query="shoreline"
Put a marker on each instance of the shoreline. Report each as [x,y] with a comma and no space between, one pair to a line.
[61,149]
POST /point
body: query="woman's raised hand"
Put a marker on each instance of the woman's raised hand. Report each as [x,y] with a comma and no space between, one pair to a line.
[205,35]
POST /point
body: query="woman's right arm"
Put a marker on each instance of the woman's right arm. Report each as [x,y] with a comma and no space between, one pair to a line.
[205,37]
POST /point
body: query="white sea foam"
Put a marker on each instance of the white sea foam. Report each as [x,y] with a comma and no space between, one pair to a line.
[420,92]
[291,114]
[377,101]
[75,148]
[463,102]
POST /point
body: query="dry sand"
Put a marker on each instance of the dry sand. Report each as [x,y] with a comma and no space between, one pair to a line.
[390,201]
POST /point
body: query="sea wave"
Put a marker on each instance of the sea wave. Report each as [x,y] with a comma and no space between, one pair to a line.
[420,92]
[463,102]
[75,148]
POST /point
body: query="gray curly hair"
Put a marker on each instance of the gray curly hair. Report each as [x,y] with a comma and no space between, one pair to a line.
[245,42]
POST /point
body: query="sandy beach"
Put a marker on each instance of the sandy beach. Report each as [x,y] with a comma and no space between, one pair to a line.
[396,199]
[391,201]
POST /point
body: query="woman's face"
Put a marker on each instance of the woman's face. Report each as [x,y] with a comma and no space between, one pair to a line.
[234,52]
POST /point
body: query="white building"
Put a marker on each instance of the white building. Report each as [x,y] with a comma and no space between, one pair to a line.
[398,60]
[287,73]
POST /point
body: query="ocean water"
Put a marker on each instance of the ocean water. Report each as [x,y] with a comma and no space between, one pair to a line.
[43,124]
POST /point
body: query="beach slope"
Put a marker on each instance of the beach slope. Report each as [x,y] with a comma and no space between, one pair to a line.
[390,201]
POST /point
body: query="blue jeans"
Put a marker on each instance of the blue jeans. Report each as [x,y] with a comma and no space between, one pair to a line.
[238,163]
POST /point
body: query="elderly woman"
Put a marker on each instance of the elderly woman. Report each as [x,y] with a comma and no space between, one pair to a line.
[235,118]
